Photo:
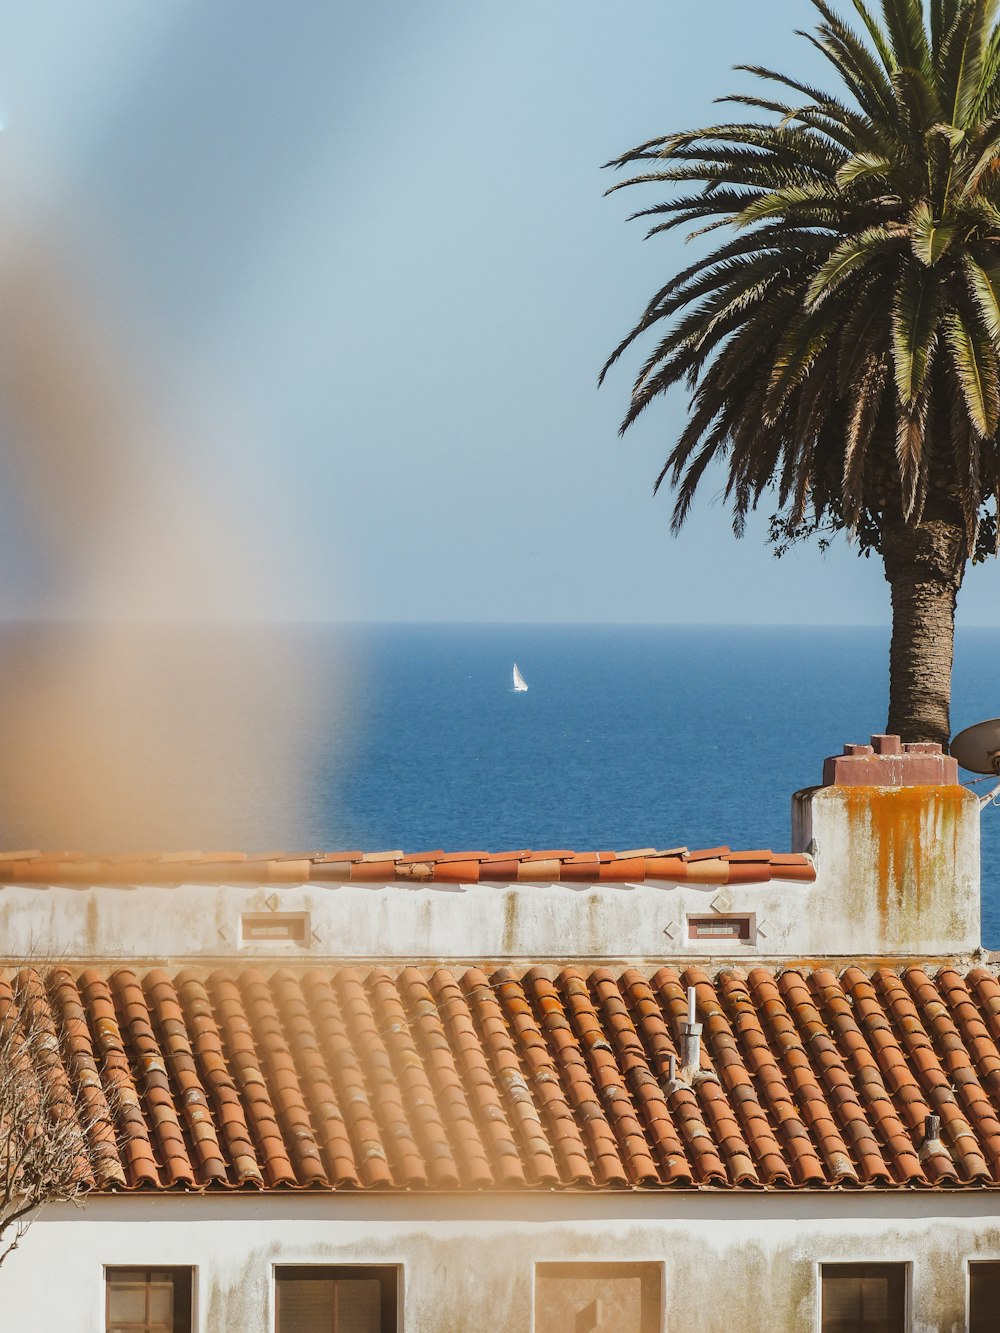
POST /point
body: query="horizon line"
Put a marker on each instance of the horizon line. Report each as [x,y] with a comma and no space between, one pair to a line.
[163,622]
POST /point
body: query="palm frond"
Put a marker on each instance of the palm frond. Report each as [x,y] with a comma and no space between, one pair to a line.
[839,334]
[864,412]
[904,24]
[960,65]
[862,165]
[929,238]
[864,77]
[786,201]
[987,145]
[852,254]
[943,14]
[984,288]
[910,454]
[965,449]
[974,360]
[799,347]
[866,335]
[914,334]
[879,39]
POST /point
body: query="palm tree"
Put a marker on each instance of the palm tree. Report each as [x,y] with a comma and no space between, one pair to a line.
[842,344]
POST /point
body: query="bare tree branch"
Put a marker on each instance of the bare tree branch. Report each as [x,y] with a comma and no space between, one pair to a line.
[48,1135]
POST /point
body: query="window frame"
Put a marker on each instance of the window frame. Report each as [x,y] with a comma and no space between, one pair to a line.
[190,1269]
[840,1262]
[970,1264]
[392,1309]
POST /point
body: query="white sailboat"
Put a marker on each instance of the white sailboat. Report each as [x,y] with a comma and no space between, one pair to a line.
[520,684]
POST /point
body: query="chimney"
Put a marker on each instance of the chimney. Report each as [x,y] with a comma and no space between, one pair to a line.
[895,840]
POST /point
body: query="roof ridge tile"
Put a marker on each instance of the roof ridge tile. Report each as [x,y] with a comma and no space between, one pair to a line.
[709,865]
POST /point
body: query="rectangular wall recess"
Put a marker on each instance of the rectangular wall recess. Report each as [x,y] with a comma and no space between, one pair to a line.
[720,928]
[275,928]
[598,1297]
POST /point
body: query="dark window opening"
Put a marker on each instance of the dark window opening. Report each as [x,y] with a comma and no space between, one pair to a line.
[598,1298]
[148,1300]
[718,927]
[864,1298]
[321,1299]
[271,927]
[984,1296]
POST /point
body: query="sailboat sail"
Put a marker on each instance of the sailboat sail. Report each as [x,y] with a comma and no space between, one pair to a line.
[520,684]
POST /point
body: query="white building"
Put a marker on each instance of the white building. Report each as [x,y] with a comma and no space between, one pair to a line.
[654,1090]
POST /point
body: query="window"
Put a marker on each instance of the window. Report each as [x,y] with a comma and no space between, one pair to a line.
[719,928]
[314,1299]
[864,1298]
[148,1300]
[984,1296]
[598,1298]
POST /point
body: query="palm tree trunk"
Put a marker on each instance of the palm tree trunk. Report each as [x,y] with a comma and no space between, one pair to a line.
[924,565]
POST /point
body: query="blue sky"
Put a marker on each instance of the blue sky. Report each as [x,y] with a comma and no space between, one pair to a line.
[309,303]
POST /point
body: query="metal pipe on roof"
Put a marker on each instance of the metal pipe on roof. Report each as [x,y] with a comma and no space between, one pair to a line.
[691,1050]
[931,1146]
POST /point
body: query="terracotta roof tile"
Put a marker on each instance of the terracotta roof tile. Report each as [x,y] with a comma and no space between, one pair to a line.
[28,1025]
[750,1097]
[384,1095]
[675,869]
[890,1044]
[956,1096]
[713,865]
[414,1082]
[70,1017]
[714,1140]
[431,1040]
[325,1116]
[346,1075]
[474,1070]
[251,1086]
[542,1074]
[738,1046]
[150,1074]
[515,1096]
[414,1078]
[849,1078]
[568,1065]
[284,1116]
[223,1102]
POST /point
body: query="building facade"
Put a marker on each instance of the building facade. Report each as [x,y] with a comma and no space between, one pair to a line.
[543,1091]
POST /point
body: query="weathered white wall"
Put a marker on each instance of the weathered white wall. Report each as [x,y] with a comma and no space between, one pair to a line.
[509,921]
[897,874]
[848,912]
[746,1262]
[898,867]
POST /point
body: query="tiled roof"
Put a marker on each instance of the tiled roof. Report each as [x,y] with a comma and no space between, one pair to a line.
[427,1078]
[713,865]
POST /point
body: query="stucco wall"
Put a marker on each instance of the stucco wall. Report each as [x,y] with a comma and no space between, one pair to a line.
[847,912]
[747,1262]
[899,865]
[379,921]
[897,874]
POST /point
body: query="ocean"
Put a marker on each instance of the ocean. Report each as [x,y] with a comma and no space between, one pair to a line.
[411,737]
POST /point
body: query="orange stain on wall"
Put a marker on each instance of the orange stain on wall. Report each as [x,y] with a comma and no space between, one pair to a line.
[909,829]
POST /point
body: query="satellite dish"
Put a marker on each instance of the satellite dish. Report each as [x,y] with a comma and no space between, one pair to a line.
[978,748]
